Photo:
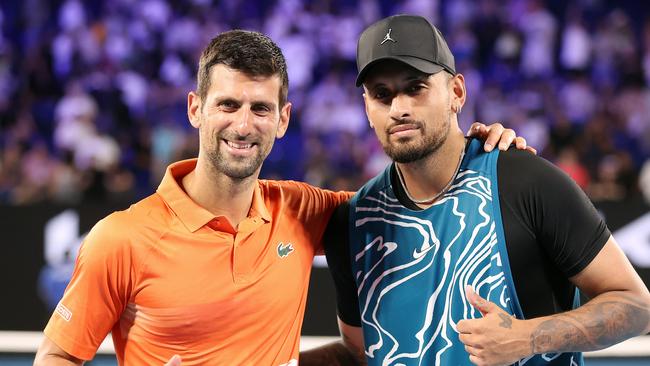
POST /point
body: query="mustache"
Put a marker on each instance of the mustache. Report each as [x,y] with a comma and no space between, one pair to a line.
[234,136]
[403,121]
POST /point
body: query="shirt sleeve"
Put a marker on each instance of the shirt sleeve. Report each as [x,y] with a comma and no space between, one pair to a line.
[315,208]
[337,251]
[552,206]
[97,293]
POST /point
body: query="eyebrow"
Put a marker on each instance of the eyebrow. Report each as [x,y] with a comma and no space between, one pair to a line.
[423,78]
[270,106]
[264,103]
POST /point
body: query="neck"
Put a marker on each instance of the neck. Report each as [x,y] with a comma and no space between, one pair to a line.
[428,177]
[220,194]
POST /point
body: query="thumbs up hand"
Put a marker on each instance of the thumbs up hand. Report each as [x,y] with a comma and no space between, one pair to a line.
[497,338]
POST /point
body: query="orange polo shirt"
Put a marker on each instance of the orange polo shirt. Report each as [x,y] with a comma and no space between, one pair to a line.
[168,277]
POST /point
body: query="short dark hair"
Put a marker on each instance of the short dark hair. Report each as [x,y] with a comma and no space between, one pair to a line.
[250,52]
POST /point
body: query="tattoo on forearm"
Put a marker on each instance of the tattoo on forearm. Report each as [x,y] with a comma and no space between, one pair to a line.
[506,321]
[594,326]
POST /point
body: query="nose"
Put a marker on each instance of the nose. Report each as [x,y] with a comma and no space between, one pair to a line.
[400,107]
[243,123]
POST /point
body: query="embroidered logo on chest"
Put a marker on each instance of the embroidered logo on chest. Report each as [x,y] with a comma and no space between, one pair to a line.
[284,250]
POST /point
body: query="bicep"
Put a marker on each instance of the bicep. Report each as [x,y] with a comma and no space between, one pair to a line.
[609,271]
[97,293]
[49,353]
[559,214]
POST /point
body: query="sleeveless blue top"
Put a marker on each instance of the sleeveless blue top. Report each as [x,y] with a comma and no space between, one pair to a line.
[411,267]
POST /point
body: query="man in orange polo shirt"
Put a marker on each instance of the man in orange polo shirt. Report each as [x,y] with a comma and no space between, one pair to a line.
[215,265]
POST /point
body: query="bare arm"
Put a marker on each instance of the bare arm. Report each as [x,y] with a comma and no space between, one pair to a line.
[347,351]
[619,309]
[49,353]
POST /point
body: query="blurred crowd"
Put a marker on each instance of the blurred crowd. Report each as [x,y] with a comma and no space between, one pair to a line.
[93,93]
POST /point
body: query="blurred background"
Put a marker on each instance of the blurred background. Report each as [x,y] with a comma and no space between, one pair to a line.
[93,109]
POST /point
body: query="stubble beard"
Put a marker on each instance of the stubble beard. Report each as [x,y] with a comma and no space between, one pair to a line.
[404,151]
[236,167]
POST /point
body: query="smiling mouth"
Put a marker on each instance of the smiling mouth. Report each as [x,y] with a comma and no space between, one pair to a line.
[239,145]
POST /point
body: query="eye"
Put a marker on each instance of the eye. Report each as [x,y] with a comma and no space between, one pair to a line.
[261,109]
[414,88]
[381,93]
[228,105]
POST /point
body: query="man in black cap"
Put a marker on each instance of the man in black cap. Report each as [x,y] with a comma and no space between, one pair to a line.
[457,256]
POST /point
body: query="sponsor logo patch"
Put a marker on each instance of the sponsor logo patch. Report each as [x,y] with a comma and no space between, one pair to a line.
[64,312]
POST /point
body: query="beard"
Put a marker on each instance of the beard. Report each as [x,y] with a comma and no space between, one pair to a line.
[233,166]
[408,150]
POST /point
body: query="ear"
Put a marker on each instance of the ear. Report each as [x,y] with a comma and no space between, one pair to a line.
[365,103]
[285,116]
[458,93]
[193,109]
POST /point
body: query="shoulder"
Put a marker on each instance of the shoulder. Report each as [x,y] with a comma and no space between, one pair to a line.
[118,231]
[519,169]
[289,191]
[380,182]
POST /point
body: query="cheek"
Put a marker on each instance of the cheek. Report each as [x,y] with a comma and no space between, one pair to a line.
[378,120]
[267,127]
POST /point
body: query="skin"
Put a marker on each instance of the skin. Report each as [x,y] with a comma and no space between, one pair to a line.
[238,123]
[619,309]
[620,303]
[413,116]
[240,110]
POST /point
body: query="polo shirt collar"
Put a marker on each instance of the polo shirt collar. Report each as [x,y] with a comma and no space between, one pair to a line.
[259,207]
[189,212]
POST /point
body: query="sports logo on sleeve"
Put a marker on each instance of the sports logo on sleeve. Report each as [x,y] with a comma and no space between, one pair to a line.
[64,312]
[284,250]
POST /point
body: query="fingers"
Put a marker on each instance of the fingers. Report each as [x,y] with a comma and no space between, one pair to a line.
[531,150]
[495,134]
[520,143]
[469,340]
[463,326]
[477,129]
[478,302]
[482,132]
[174,361]
[475,360]
[474,299]
[474,351]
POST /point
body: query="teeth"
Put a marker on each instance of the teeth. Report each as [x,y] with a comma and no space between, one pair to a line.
[235,145]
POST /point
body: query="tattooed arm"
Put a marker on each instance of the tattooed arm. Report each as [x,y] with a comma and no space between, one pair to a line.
[619,309]
[348,351]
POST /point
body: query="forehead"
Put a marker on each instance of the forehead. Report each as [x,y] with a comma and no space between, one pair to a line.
[225,81]
[390,71]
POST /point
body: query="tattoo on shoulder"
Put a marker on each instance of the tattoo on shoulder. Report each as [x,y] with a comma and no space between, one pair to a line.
[602,325]
[506,321]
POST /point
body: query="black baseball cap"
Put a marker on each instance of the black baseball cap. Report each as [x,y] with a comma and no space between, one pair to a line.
[407,38]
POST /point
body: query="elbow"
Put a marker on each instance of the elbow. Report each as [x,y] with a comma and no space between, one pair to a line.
[639,310]
[646,306]
[49,353]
